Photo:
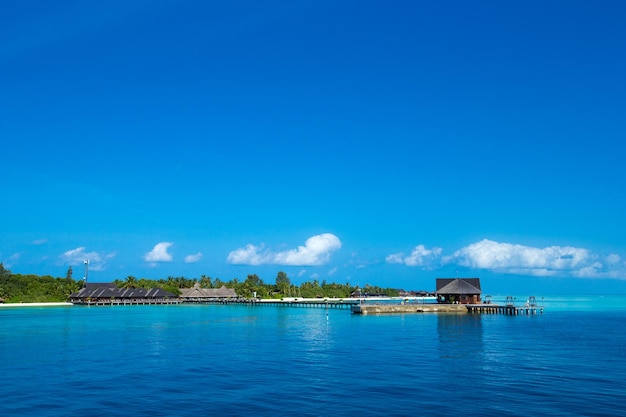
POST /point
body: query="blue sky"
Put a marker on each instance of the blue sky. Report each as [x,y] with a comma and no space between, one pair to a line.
[387,143]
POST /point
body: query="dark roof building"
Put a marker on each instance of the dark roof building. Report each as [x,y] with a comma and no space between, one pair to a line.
[107,292]
[458,290]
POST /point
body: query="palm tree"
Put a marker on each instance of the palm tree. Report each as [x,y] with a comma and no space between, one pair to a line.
[131,282]
[206,282]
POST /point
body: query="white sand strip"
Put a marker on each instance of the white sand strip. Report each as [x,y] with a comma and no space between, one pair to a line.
[35,304]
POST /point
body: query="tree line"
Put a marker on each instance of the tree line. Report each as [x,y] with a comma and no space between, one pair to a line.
[254,286]
[18,288]
[34,288]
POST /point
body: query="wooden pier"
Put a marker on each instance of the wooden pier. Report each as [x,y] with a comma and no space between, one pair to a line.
[337,303]
[302,302]
[405,308]
[510,310]
[342,303]
[123,302]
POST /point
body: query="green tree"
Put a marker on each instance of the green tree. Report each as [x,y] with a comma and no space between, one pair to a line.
[69,273]
[253,284]
[130,282]
[283,283]
[4,273]
[253,280]
[206,282]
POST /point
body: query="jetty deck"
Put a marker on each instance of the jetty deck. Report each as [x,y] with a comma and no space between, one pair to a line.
[336,303]
[129,302]
[408,308]
[343,303]
[511,310]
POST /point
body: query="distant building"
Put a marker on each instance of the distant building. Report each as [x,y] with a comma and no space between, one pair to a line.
[108,293]
[458,290]
[356,293]
[199,294]
[420,293]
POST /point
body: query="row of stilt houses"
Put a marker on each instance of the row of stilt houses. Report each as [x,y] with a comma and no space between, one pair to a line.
[109,294]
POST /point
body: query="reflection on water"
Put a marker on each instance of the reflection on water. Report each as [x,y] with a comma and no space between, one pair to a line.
[461,351]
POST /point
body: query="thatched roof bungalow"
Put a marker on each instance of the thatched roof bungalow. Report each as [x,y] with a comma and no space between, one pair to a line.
[199,294]
[458,290]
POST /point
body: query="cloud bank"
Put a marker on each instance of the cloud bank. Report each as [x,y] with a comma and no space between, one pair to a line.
[97,261]
[159,253]
[316,251]
[518,259]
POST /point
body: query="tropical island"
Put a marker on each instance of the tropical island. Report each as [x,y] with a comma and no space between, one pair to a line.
[453,295]
[18,288]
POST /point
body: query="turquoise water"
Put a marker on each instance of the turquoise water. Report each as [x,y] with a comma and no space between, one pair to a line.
[238,361]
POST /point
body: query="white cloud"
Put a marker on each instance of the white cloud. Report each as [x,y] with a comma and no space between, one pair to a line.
[316,251]
[518,259]
[488,254]
[159,253]
[420,256]
[191,259]
[97,261]
[613,259]
[528,260]
[249,256]
[40,241]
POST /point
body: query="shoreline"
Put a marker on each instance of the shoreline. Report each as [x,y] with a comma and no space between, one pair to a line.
[56,304]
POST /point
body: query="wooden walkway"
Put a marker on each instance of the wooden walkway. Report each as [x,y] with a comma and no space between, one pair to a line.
[510,310]
[118,302]
[343,303]
[406,308]
[306,303]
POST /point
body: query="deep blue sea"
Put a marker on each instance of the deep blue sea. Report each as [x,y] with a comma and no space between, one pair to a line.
[197,360]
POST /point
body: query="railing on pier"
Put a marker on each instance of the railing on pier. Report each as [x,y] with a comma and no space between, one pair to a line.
[307,303]
[511,310]
[127,302]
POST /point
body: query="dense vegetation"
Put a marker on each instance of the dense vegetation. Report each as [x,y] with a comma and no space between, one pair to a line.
[15,288]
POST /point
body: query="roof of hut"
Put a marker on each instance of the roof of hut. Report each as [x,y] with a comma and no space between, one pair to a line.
[458,286]
[101,290]
[198,292]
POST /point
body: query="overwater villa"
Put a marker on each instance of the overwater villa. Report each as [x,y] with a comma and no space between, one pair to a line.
[109,294]
[458,290]
[197,294]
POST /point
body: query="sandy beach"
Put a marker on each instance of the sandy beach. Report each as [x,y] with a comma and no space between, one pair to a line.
[35,305]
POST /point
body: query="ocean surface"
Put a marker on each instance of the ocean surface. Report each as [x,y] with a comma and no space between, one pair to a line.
[203,360]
